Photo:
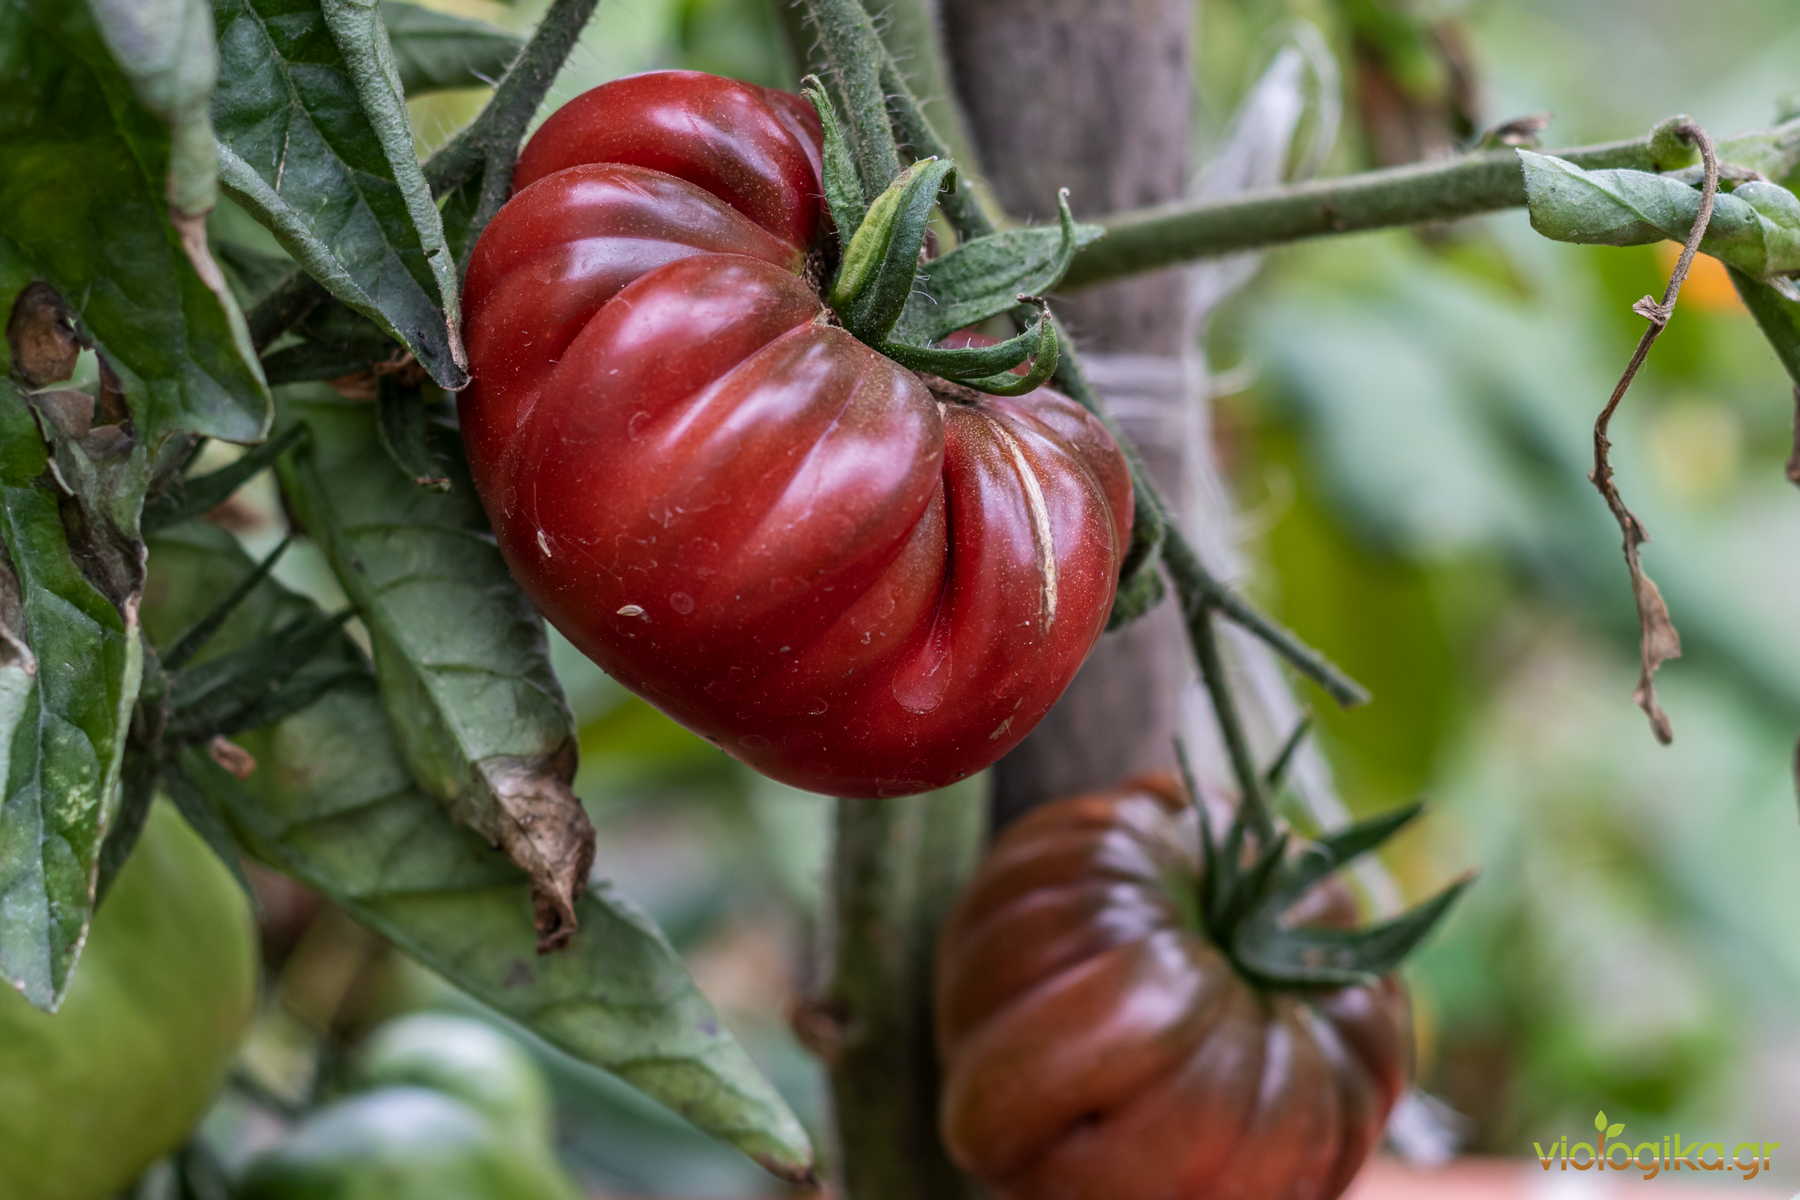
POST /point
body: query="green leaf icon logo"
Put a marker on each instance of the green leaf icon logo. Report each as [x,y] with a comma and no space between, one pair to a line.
[1600,1120]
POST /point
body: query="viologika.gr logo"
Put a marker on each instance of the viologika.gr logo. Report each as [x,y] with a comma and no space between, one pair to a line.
[1611,1151]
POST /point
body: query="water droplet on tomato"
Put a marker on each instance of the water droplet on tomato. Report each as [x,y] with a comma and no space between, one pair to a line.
[922,681]
[681,602]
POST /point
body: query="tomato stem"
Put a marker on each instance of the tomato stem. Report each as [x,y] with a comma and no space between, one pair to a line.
[1483,182]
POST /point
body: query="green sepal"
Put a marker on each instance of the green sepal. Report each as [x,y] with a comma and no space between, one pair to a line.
[957,362]
[866,245]
[1218,873]
[1244,905]
[1274,954]
[843,188]
[984,277]
[1250,887]
[990,368]
[881,260]
[203,493]
[1335,850]
[1044,360]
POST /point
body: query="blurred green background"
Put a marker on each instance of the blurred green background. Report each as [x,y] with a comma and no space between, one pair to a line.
[1408,429]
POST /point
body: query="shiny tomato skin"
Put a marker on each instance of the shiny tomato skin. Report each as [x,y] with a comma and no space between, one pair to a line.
[779,536]
[755,148]
[1096,1046]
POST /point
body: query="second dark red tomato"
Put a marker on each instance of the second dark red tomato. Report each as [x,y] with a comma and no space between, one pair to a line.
[779,536]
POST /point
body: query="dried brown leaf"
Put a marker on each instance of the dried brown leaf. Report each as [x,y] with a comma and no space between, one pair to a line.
[540,824]
[1658,641]
[42,335]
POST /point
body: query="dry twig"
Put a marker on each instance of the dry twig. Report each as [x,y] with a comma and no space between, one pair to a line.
[1658,639]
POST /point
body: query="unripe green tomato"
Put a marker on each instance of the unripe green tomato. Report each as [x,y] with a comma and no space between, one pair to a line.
[403,1143]
[93,1094]
[464,1058]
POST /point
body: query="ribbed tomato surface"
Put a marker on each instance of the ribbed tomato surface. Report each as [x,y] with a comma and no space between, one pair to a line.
[1098,1046]
[779,536]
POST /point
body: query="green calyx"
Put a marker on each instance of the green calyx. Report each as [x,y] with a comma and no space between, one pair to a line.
[881,258]
[890,296]
[1247,890]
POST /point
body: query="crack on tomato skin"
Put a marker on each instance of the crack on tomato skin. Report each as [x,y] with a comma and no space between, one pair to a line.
[1043,537]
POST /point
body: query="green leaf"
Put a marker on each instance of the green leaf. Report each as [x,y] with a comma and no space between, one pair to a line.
[71,572]
[89,168]
[985,277]
[1777,316]
[460,653]
[70,661]
[1755,228]
[314,141]
[435,50]
[253,274]
[165,50]
[192,496]
[403,420]
[331,802]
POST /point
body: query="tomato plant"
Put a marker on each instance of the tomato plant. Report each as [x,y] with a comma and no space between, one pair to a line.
[1100,1040]
[782,537]
[699,372]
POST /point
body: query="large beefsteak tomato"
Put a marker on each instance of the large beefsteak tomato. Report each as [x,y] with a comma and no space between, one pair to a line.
[1099,1045]
[782,538]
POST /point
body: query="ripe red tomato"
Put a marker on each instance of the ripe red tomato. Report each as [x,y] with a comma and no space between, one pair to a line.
[779,536]
[1098,1046]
